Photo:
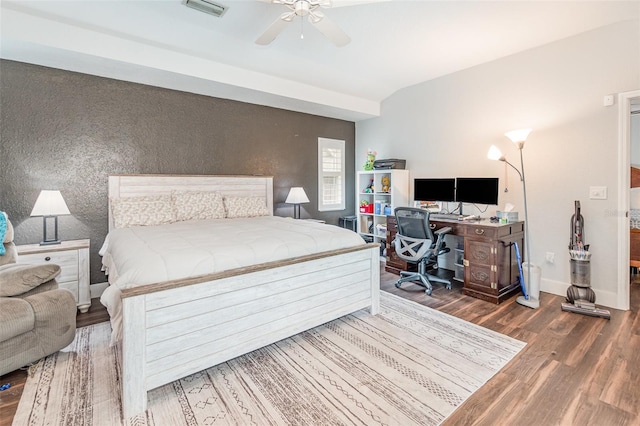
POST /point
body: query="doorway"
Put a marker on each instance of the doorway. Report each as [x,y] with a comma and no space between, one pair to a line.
[627,102]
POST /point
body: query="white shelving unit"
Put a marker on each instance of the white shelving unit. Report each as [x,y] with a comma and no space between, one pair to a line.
[396,196]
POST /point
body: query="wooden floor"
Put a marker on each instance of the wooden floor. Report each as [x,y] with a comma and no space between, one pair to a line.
[575,369]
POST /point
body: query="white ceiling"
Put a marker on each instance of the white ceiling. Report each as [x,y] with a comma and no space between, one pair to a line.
[394,44]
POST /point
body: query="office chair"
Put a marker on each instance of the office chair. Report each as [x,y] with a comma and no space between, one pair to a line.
[415,243]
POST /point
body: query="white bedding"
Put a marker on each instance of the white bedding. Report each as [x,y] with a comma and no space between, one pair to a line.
[153,254]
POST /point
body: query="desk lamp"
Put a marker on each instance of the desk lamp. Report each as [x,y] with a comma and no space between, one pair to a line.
[518,137]
[296,197]
[50,205]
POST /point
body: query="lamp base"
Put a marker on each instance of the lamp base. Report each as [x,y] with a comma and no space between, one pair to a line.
[47,238]
[531,303]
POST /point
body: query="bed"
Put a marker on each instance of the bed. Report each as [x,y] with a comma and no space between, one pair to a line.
[177,326]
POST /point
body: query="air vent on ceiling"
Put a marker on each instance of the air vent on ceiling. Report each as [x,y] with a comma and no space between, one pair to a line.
[207,6]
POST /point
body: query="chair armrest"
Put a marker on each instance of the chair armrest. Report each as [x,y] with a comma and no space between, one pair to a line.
[444,230]
[55,312]
[16,278]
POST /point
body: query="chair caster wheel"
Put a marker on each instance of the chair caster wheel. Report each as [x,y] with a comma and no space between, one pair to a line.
[428,291]
[398,285]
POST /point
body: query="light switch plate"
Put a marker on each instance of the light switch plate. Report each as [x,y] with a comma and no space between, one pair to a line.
[598,192]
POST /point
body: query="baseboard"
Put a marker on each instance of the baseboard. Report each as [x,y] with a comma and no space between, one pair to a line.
[603,298]
[96,290]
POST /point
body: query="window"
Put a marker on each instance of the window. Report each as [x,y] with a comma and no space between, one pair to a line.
[331,174]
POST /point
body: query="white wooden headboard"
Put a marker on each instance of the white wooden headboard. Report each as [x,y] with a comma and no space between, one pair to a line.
[121,186]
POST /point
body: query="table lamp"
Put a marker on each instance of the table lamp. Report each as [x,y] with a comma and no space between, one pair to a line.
[50,205]
[296,197]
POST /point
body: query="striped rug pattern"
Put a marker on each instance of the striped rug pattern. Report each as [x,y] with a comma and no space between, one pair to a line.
[410,365]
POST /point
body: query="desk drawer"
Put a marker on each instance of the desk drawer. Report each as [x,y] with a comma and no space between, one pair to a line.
[485,232]
[67,260]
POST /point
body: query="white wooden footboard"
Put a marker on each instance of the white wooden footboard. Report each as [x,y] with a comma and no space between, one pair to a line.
[183,329]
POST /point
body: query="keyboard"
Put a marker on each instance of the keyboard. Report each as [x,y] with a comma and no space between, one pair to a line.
[444,216]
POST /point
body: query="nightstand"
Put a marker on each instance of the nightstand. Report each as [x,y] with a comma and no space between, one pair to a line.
[73,258]
[315,220]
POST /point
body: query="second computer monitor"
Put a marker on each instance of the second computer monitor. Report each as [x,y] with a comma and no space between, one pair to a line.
[477,190]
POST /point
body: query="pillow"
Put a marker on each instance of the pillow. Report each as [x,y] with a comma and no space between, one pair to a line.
[18,278]
[142,211]
[246,207]
[3,231]
[197,205]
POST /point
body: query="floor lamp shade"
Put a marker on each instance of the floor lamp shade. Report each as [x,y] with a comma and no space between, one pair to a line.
[296,197]
[50,205]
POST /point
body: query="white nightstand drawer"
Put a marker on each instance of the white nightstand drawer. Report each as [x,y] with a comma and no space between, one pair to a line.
[67,260]
[73,259]
[70,285]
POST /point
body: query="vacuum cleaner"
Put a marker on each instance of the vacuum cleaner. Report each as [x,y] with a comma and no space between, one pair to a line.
[580,297]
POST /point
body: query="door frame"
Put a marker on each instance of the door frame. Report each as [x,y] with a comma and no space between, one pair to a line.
[624,183]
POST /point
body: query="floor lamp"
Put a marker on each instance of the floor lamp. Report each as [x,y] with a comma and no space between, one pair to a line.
[531,298]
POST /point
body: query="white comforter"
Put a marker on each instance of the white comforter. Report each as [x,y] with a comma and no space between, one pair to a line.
[152,254]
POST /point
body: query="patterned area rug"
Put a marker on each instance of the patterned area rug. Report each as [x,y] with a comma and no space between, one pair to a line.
[410,365]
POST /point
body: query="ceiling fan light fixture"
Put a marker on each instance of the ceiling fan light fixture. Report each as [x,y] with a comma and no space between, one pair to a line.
[207,6]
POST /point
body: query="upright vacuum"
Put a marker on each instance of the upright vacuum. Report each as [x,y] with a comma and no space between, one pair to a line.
[580,297]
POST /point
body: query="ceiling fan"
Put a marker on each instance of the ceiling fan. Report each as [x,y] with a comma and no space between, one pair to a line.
[304,8]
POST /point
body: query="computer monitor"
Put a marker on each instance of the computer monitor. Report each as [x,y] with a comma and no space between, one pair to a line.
[477,190]
[434,189]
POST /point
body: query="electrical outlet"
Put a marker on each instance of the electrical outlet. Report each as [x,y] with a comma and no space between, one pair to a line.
[550,257]
[598,192]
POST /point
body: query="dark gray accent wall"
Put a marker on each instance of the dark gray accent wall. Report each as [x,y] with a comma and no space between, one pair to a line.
[69,131]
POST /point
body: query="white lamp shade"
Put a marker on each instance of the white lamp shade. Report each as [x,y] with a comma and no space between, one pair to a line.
[297,196]
[494,153]
[518,136]
[50,203]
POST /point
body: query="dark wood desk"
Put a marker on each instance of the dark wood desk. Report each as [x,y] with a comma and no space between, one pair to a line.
[490,265]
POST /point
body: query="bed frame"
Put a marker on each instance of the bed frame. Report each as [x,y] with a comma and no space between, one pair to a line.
[177,328]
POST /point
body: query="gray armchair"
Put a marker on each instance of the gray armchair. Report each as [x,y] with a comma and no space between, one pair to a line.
[36,317]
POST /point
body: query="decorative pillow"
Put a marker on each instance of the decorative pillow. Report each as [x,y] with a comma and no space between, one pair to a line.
[18,278]
[3,232]
[142,211]
[197,205]
[8,234]
[246,206]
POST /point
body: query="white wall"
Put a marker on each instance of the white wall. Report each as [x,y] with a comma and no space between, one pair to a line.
[444,128]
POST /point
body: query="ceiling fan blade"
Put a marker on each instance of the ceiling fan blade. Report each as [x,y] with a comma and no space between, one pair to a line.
[324,3]
[344,3]
[329,29]
[275,29]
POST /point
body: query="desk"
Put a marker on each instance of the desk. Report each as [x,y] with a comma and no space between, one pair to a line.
[490,265]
